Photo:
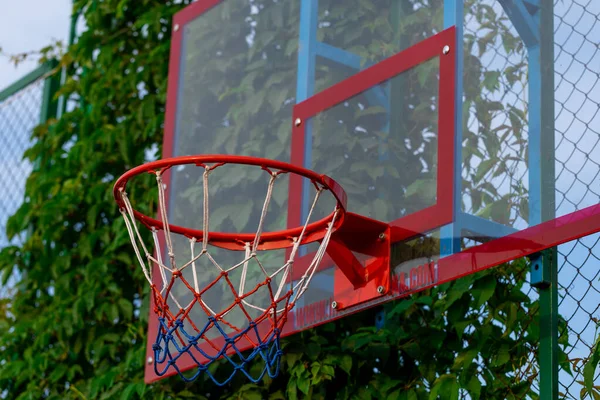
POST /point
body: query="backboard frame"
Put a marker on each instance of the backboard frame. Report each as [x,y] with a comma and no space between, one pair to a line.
[453,263]
[440,45]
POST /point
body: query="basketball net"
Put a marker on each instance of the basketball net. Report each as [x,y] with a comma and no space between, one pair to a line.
[183,337]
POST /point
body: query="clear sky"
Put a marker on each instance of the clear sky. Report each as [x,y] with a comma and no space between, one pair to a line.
[29,25]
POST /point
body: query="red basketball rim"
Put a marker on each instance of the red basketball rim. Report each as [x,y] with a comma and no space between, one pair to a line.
[315,231]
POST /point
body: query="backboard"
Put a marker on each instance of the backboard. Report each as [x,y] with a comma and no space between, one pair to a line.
[430,120]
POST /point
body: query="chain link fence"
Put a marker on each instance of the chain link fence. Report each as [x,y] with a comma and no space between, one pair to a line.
[577,136]
[504,79]
[23,105]
[497,71]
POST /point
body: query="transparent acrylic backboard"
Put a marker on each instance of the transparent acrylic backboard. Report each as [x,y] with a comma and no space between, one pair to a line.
[430,125]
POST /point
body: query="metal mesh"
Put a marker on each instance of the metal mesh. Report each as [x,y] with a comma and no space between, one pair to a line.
[577,154]
[20,112]
[577,135]
[495,82]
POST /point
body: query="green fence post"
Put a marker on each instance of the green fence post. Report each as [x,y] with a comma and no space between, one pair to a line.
[548,351]
[25,81]
[49,107]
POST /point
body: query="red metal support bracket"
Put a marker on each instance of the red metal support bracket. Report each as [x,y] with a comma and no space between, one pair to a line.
[360,278]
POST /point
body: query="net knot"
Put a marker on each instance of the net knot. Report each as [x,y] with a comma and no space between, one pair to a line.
[263,346]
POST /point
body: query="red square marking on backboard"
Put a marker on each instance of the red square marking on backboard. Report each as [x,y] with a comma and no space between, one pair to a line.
[427,219]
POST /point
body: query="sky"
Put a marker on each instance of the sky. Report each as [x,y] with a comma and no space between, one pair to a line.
[29,25]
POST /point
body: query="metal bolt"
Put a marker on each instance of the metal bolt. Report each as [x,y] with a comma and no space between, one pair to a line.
[298,122]
[334,304]
[380,289]
[149,360]
[446,49]
[382,236]
[176,27]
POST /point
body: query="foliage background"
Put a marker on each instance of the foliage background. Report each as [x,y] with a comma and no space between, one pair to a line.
[75,327]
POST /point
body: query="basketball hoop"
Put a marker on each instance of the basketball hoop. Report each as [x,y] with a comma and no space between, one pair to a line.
[179,334]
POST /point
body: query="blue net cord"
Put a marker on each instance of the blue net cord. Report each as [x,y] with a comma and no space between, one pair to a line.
[179,341]
[168,350]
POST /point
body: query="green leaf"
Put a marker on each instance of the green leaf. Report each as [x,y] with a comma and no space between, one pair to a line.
[346,363]
[424,300]
[277,395]
[464,359]
[474,387]
[589,370]
[412,395]
[423,188]
[58,372]
[313,350]
[292,358]
[483,169]
[483,289]
[402,306]
[303,385]
[291,391]
[491,80]
[502,357]
[129,392]
[126,308]
[456,291]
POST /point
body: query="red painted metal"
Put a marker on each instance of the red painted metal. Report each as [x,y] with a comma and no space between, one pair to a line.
[421,221]
[361,235]
[408,226]
[236,241]
[428,218]
[475,259]
[367,237]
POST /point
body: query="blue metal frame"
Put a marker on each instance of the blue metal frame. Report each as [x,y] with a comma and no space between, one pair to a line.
[522,14]
[525,16]
[527,27]
[305,80]
[450,235]
[309,49]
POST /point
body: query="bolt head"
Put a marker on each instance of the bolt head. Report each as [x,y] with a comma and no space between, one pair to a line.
[380,289]
[298,122]
[334,304]
[149,360]
[381,236]
[446,49]
[176,27]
